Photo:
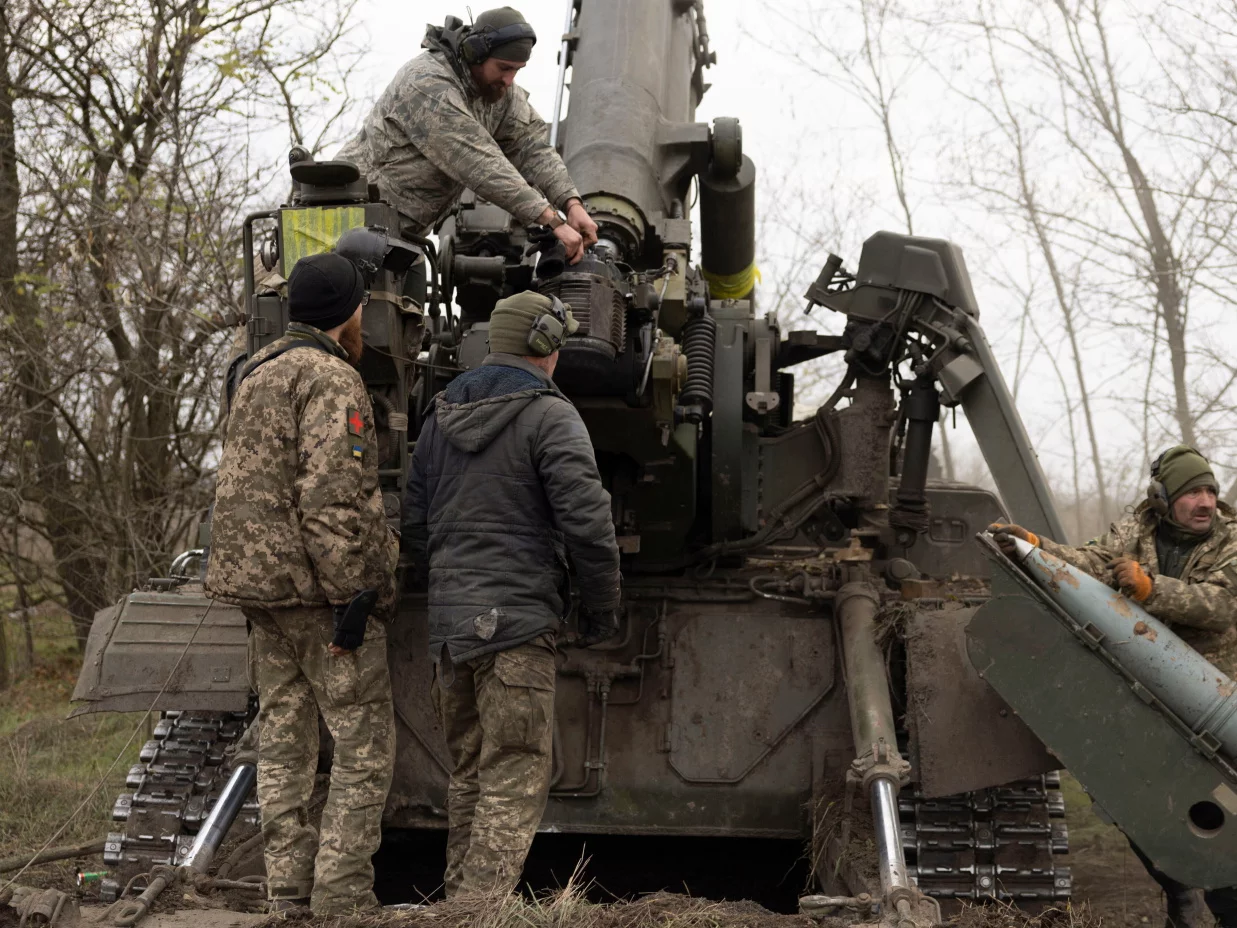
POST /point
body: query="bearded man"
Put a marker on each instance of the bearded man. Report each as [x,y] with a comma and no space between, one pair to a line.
[453,118]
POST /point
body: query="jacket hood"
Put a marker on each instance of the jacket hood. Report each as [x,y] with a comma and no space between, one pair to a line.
[478,405]
[438,40]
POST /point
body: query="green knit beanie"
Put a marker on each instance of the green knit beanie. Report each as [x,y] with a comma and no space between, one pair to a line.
[1181,469]
[513,318]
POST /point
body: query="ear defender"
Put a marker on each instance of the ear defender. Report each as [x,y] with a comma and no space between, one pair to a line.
[549,330]
[478,46]
[1157,496]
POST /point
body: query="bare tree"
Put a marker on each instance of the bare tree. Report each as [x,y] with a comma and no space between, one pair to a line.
[1001,173]
[121,190]
[1159,227]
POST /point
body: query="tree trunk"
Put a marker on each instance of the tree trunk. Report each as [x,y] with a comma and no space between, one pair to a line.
[28,629]
[1164,271]
[4,657]
[51,488]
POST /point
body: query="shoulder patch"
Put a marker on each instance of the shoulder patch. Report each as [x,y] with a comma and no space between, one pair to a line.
[356,424]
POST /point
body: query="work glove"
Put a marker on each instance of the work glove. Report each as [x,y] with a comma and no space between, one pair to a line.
[596,627]
[1129,575]
[350,619]
[540,238]
[1004,534]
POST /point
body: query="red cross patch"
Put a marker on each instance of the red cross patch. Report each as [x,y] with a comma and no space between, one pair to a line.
[355,423]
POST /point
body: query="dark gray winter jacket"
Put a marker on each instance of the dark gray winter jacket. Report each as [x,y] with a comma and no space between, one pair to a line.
[503,487]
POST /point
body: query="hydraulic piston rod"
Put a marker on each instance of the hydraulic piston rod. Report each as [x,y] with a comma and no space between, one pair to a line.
[200,855]
[564,51]
[871,717]
[221,817]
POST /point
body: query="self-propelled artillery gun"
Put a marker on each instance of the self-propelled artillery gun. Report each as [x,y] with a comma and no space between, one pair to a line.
[791,661]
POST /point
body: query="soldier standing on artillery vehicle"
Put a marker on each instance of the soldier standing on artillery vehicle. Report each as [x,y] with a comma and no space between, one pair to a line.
[503,486]
[453,118]
[1176,555]
[300,543]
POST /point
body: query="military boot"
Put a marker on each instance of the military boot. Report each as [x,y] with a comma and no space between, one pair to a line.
[1186,909]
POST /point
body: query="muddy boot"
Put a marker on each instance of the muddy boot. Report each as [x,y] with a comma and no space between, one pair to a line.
[1186,909]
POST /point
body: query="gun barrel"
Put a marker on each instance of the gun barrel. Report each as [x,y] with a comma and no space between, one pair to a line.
[1187,683]
[631,83]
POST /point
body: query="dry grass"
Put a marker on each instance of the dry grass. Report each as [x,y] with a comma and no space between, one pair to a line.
[1002,915]
[568,909]
[565,909]
[49,765]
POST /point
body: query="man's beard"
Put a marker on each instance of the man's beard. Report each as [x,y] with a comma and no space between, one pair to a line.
[492,93]
[352,341]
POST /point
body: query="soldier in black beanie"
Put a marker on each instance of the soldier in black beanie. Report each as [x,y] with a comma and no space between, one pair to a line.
[300,543]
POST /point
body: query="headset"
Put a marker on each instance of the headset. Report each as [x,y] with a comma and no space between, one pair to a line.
[549,330]
[477,46]
[1157,496]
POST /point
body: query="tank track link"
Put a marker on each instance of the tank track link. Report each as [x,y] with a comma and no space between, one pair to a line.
[1002,843]
[172,789]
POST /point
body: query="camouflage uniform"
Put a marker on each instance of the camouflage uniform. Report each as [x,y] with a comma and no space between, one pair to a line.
[500,783]
[297,677]
[430,135]
[1201,605]
[298,526]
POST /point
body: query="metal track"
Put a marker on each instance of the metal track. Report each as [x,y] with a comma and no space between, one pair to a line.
[1003,843]
[181,772]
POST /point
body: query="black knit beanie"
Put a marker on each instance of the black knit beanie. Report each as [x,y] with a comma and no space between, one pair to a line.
[512,49]
[324,290]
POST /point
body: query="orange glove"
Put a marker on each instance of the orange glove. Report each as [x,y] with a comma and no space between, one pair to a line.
[1131,577]
[1005,533]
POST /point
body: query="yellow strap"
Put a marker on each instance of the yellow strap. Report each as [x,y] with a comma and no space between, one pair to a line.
[315,229]
[732,286]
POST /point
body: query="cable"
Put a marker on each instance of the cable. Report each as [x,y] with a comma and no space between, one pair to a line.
[108,772]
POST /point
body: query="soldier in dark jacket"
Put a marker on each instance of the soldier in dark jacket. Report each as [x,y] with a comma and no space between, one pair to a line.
[504,487]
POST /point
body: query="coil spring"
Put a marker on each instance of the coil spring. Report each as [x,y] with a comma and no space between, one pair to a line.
[699,341]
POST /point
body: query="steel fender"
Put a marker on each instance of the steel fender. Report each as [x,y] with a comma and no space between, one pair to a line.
[948,702]
[135,645]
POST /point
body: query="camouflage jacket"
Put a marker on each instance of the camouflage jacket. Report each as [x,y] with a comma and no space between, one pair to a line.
[298,514]
[1202,606]
[430,135]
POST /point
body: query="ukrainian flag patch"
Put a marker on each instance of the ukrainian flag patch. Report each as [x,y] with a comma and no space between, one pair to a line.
[358,452]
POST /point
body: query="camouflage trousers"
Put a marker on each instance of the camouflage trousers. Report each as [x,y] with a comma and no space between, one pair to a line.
[497,713]
[297,678]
